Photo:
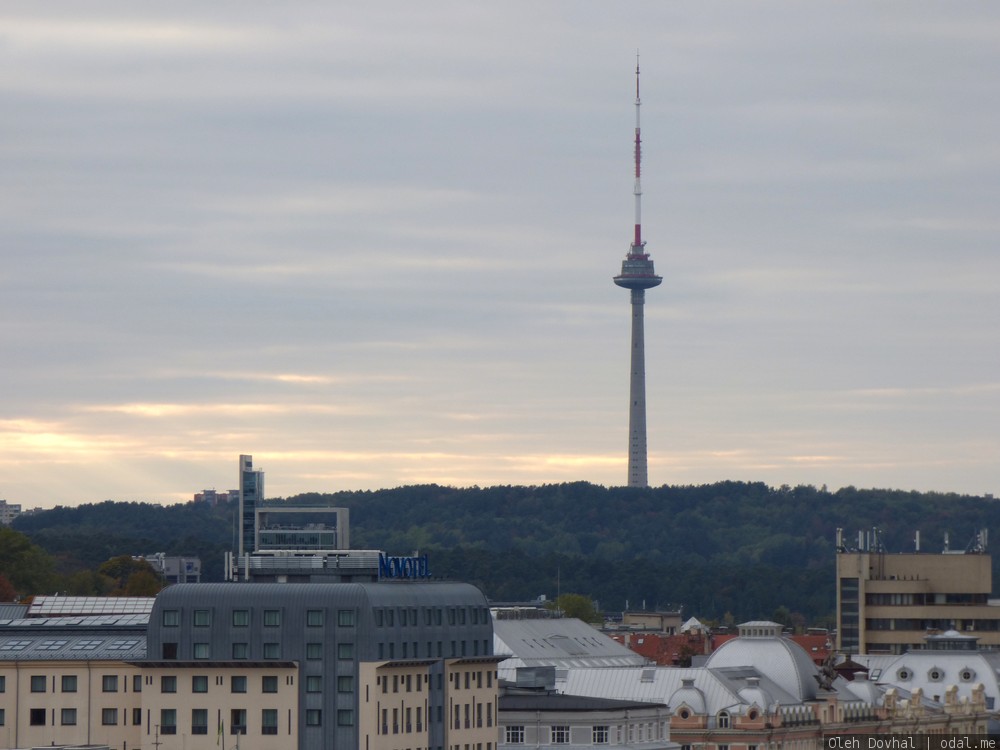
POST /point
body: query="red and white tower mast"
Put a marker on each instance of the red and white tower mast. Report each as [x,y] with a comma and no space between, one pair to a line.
[637,275]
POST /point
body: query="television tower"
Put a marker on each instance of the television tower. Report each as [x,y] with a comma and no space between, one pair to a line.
[637,275]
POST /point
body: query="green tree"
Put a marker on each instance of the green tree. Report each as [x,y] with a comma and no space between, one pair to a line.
[123,569]
[28,568]
[577,605]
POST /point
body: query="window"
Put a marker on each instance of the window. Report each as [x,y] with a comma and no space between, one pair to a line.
[314,618]
[199,683]
[314,717]
[3,717]
[238,684]
[269,684]
[345,717]
[3,683]
[37,717]
[600,735]
[723,720]
[199,721]
[202,618]
[560,735]
[241,618]
[345,683]
[314,684]
[379,619]
[69,683]
[241,650]
[514,735]
[269,721]
[171,618]
[168,721]
[272,650]
[169,651]
[345,650]
[67,717]
[109,717]
[168,684]
[200,651]
[345,619]
[38,683]
[137,683]
[109,683]
[238,721]
[314,650]
[137,717]
[272,618]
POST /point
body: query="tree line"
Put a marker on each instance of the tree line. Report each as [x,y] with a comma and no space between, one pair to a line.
[740,550]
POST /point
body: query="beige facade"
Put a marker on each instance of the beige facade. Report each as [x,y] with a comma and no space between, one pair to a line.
[191,706]
[887,603]
[69,702]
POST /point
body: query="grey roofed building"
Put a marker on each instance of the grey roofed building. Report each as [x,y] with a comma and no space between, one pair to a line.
[560,642]
[13,611]
[328,629]
[84,638]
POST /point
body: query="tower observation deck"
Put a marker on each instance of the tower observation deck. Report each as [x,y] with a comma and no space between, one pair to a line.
[637,275]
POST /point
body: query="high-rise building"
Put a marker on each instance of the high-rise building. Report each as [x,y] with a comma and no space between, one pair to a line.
[637,275]
[251,497]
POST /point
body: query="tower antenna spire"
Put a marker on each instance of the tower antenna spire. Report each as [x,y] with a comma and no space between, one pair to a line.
[637,191]
[637,275]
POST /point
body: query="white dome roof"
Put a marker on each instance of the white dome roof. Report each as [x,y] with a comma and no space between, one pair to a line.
[782,661]
[688,695]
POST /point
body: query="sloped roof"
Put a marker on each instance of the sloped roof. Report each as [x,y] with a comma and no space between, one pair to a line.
[560,642]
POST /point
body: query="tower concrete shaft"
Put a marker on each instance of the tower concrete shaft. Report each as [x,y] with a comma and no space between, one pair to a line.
[637,471]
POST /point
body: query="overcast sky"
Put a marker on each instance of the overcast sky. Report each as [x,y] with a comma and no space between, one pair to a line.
[372,244]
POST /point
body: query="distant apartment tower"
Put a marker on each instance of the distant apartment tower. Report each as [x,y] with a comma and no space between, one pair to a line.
[637,275]
[888,603]
[8,512]
[251,497]
[214,497]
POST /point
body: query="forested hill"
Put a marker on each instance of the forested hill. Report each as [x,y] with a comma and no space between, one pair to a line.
[740,548]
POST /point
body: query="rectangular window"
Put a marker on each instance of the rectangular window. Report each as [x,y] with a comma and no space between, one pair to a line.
[345,618]
[69,683]
[168,721]
[199,721]
[269,684]
[560,735]
[3,683]
[314,651]
[199,683]
[379,620]
[200,651]
[168,684]
[269,721]
[38,683]
[345,683]
[314,618]
[514,735]
[238,721]
[389,616]
[109,717]
[171,618]
[345,717]
[314,717]
[3,717]
[241,618]
[109,683]
[137,683]
[37,717]
[345,650]
[137,717]
[241,650]
[238,684]
[272,618]
[272,650]
[314,684]
[68,717]
[600,734]
[169,651]
[202,618]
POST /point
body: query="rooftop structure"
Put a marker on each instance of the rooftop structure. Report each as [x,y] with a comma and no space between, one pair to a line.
[637,275]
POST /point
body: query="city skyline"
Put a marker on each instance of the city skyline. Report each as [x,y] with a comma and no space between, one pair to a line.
[371,246]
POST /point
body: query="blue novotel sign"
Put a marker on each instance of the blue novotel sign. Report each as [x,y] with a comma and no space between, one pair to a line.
[414,567]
